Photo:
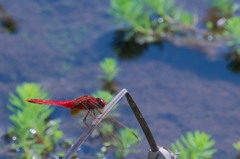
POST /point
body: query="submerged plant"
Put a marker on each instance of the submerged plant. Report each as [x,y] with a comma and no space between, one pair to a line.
[195,146]
[110,69]
[31,130]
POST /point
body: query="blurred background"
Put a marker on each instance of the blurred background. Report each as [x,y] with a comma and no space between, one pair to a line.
[178,59]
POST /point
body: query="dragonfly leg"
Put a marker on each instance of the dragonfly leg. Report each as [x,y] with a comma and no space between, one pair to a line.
[98,112]
[93,112]
[84,119]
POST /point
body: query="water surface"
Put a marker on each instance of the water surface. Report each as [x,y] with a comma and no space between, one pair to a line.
[59,45]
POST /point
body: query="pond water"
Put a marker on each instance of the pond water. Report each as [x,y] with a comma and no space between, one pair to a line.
[59,45]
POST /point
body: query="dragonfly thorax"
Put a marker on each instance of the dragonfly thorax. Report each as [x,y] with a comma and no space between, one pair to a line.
[88,102]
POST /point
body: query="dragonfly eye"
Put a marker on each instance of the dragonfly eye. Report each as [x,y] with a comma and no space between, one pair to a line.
[101,101]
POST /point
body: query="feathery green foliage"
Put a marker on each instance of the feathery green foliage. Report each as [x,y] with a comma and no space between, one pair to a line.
[125,135]
[131,13]
[106,129]
[237,146]
[162,7]
[150,18]
[106,95]
[128,140]
[228,7]
[232,30]
[30,129]
[194,146]
[110,69]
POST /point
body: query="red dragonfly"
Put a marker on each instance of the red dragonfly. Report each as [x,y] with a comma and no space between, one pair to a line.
[83,103]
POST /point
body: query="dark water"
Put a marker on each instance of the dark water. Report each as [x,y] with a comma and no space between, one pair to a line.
[59,45]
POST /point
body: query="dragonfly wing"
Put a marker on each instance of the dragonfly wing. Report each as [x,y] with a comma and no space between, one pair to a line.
[94,105]
[97,108]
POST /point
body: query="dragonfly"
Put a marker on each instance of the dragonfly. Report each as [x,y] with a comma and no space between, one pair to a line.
[83,103]
[87,104]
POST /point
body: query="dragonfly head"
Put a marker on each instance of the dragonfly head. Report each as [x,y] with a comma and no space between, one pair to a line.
[101,102]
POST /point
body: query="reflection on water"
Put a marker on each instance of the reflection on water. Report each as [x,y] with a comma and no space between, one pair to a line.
[234,64]
[110,86]
[130,48]
[176,79]
[7,23]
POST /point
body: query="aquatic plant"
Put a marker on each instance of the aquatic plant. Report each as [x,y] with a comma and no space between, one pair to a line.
[162,7]
[227,7]
[106,129]
[237,146]
[184,17]
[153,21]
[170,13]
[131,13]
[123,149]
[128,140]
[232,30]
[103,151]
[110,69]
[32,130]
[125,135]
[106,95]
[149,21]
[194,146]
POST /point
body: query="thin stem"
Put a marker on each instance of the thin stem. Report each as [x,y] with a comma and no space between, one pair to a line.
[106,109]
[142,123]
[95,122]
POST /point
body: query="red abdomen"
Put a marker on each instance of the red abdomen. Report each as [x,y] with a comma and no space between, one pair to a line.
[67,103]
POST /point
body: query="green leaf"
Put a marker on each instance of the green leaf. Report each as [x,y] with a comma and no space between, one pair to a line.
[28,117]
[109,68]
[197,145]
[237,145]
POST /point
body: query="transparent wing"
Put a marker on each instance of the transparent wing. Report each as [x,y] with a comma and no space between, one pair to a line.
[86,114]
